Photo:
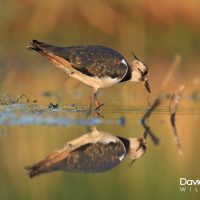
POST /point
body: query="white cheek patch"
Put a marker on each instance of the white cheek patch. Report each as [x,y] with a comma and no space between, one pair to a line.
[136,76]
[124,62]
[137,64]
[143,67]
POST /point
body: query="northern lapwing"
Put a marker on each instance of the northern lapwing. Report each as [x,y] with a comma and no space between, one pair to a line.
[96,66]
[91,153]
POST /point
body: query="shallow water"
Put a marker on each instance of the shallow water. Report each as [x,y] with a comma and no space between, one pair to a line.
[155,175]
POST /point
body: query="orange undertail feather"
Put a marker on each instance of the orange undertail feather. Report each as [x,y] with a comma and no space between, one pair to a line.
[45,165]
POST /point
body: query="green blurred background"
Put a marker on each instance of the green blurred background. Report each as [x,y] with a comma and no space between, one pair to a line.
[155,30]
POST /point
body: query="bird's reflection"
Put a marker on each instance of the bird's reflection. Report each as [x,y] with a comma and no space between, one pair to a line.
[93,152]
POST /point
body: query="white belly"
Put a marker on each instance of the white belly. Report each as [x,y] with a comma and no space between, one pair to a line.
[94,82]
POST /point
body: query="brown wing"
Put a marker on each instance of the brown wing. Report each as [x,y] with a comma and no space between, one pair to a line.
[96,157]
[98,61]
[88,158]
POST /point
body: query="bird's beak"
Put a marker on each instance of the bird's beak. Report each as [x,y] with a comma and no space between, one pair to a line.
[147,86]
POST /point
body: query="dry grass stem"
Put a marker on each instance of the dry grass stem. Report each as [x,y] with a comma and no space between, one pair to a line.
[174,104]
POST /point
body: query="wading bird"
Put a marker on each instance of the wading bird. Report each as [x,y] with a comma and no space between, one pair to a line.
[96,66]
[91,153]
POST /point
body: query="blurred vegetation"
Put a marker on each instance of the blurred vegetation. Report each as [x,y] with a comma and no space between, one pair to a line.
[152,26]
[155,30]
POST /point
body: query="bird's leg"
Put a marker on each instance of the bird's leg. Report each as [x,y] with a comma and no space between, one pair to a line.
[92,98]
[96,102]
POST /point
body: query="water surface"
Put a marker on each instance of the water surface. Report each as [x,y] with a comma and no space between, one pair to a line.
[155,175]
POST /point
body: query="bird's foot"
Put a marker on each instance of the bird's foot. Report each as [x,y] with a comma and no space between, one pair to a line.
[98,114]
[96,110]
[98,107]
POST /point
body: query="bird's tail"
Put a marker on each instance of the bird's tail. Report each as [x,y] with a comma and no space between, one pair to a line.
[39,46]
[55,54]
[50,163]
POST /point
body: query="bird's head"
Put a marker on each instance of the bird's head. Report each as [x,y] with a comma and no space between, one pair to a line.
[140,72]
[137,147]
